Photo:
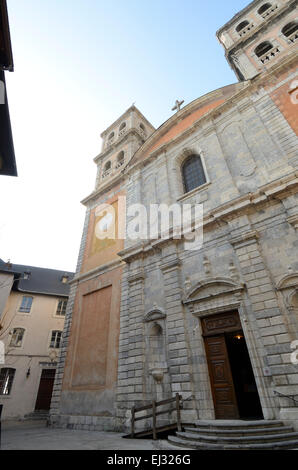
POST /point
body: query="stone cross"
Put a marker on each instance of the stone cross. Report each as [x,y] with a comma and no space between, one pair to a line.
[177,105]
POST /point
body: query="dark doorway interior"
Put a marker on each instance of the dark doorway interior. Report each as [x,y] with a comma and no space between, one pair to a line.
[44,396]
[247,396]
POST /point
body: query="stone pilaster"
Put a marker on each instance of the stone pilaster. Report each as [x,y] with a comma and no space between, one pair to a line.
[131,346]
[266,322]
[178,357]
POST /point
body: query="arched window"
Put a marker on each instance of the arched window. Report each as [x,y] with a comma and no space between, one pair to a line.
[6,380]
[193,173]
[262,48]
[120,159]
[17,337]
[107,166]
[290,29]
[123,125]
[264,8]
[111,135]
[142,127]
[241,26]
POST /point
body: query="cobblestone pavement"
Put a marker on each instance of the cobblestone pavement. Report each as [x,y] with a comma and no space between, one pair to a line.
[35,435]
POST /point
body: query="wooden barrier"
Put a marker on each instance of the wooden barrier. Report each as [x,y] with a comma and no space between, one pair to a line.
[177,400]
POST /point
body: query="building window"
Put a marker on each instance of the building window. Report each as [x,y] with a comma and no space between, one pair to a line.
[61,308]
[6,380]
[193,173]
[244,28]
[241,26]
[263,48]
[265,51]
[267,9]
[17,337]
[264,8]
[107,166]
[143,130]
[123,126]
[111,135]
[26,304]
[56,339]
[120,159]
[291,31]
[64,278]
[107,169]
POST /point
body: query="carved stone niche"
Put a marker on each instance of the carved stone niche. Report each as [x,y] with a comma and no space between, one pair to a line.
[155,339]
[288,287]
[154,314]
[212,295]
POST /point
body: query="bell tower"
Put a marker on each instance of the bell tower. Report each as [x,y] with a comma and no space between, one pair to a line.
[120,141]
[259,36]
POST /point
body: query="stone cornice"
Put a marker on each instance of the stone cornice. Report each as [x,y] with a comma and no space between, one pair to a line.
[170,265]
[293,220]
[275,190]
[130,132]
[250,237]
[249,86]
[97,271]
[261,79]
[122,117]
[258,28]
[236,17]
[181,115]
[136,276]
[114,181]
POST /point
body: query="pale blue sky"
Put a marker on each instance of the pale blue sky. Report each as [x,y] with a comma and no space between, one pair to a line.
[79,64]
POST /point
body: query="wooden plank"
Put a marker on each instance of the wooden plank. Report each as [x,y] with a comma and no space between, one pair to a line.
[133,421]
[142,408]
[154,419]
[158,403]
[165,402]
[158,430]
[156,414]
[178,412]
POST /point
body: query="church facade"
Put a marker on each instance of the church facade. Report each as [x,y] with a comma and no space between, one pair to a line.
[149,317]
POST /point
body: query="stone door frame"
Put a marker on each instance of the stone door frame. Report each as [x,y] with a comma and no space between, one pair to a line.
[219,295]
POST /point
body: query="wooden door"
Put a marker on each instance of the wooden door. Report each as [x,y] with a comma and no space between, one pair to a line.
[224,397]
[44,396]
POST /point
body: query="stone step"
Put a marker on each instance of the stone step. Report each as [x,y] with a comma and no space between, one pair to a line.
[230,440]
[37,415]
[176,441]
[241,431]
[237,424]
[236,434]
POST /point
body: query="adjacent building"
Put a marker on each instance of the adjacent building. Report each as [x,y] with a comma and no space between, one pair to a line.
[33,304]
[148,316]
